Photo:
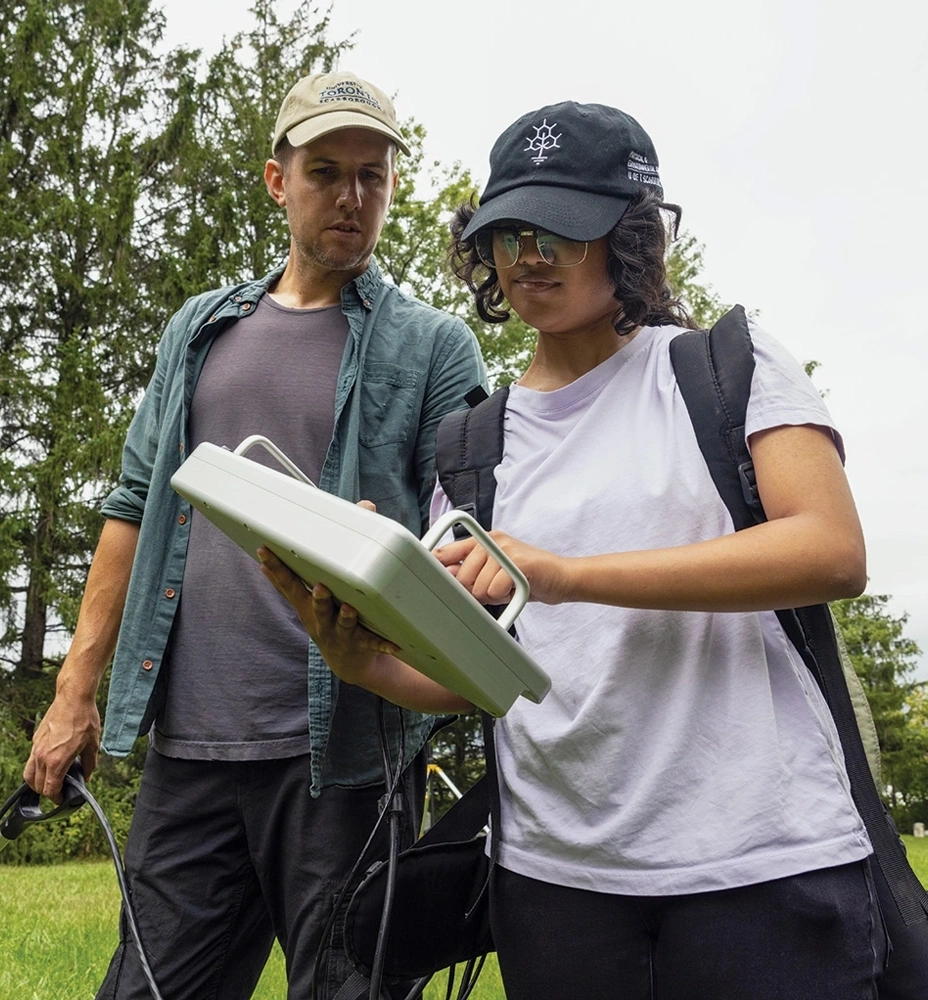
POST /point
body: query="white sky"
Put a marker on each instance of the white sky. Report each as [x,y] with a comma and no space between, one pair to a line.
[788,131]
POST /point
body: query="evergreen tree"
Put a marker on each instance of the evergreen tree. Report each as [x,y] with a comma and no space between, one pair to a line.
[76,322]
[126,185]
[886,660]
[128,182]
[75,313]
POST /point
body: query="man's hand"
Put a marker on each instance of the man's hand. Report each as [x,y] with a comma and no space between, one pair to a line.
[70,728]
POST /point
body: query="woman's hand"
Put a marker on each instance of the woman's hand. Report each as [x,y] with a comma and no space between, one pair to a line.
[346,646]
[489,583]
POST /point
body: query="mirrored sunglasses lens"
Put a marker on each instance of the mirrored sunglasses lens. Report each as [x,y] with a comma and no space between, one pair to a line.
[505,247]
[483,242]
[560,252]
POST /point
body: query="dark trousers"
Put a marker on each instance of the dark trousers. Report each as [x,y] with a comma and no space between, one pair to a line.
[816,936]
[224,856]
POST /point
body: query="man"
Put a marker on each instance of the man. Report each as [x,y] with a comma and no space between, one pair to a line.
[248,818]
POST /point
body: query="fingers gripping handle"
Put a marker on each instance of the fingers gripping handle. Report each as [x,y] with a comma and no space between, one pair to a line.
[447,521]
[23,808]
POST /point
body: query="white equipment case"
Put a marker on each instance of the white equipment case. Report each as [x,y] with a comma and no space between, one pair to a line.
[398,587]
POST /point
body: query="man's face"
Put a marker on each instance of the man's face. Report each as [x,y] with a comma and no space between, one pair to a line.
[336,191]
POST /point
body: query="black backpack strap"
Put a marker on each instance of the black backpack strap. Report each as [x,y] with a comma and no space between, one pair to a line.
[468,447]
[714,370]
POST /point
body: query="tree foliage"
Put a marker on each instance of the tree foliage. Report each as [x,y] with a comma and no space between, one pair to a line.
[685,277]
[74,79]
[885,659]
[128,182]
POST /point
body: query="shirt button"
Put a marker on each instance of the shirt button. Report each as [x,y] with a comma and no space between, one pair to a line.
[246,306]
[169,593]
[212,319]
[147,664]
[182,519]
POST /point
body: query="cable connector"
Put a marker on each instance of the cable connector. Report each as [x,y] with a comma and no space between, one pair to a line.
[391,803]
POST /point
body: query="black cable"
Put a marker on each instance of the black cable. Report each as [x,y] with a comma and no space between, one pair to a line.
[11,801]
[394,807]
[474,966]
[383,931]
[78,783]
[339,900]
[470,976]
[393,783]
[418,988]
[30,812]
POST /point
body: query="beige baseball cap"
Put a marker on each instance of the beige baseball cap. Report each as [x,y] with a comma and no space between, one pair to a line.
[327,102]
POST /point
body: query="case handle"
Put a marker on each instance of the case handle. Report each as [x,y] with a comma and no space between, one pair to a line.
[447,521]
[272,449]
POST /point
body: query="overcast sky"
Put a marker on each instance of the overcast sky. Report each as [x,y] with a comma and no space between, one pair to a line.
[792,133]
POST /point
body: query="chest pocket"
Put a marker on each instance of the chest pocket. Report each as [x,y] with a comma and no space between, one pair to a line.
[389,396]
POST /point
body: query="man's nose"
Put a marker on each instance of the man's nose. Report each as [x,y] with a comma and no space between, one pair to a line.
[349,195]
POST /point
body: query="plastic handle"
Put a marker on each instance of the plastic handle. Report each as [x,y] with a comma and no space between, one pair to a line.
[447,521]
[26,808]
[272,449]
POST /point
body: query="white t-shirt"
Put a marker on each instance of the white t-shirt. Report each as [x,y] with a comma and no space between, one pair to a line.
[676,752]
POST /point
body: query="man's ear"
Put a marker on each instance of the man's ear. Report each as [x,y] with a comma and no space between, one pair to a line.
[396,177]
[274,181]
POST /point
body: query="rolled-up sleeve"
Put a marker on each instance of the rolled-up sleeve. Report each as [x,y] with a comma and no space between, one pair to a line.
[127,501]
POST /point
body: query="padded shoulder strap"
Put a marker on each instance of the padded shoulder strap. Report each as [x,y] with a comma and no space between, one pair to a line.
[468,448]
[714,369]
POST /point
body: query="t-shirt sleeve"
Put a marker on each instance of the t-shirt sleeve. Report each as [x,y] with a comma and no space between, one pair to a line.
[440,506]
[781,392]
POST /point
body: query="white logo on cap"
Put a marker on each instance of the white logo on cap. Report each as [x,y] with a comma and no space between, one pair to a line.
[641,171]
[350,91]
[543,140]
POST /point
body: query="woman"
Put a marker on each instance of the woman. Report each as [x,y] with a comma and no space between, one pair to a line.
[676,818]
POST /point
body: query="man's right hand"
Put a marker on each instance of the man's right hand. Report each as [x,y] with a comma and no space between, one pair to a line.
[70,728]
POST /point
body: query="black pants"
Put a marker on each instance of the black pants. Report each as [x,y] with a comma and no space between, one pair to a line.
[224,856]
[817,936]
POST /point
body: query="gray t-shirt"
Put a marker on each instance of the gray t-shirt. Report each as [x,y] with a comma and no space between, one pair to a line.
[236,662]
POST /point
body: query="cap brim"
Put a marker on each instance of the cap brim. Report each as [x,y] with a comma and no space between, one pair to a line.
[577,215]
[314,128]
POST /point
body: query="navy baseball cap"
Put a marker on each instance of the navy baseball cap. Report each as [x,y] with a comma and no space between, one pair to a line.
[569,168]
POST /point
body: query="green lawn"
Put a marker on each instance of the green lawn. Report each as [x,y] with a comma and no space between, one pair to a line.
[918,856]
[58,926]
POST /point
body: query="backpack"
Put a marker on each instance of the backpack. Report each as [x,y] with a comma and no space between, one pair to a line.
[714,369]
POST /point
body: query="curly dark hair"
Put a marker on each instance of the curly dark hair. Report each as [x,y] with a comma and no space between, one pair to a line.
[637,246]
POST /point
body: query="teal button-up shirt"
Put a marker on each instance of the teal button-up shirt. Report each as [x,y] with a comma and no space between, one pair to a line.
[405,366]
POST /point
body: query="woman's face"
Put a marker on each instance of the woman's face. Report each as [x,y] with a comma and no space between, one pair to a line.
[576,300]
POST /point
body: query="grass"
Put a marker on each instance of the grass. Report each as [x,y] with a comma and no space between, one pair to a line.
[58,926]
[917,848]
